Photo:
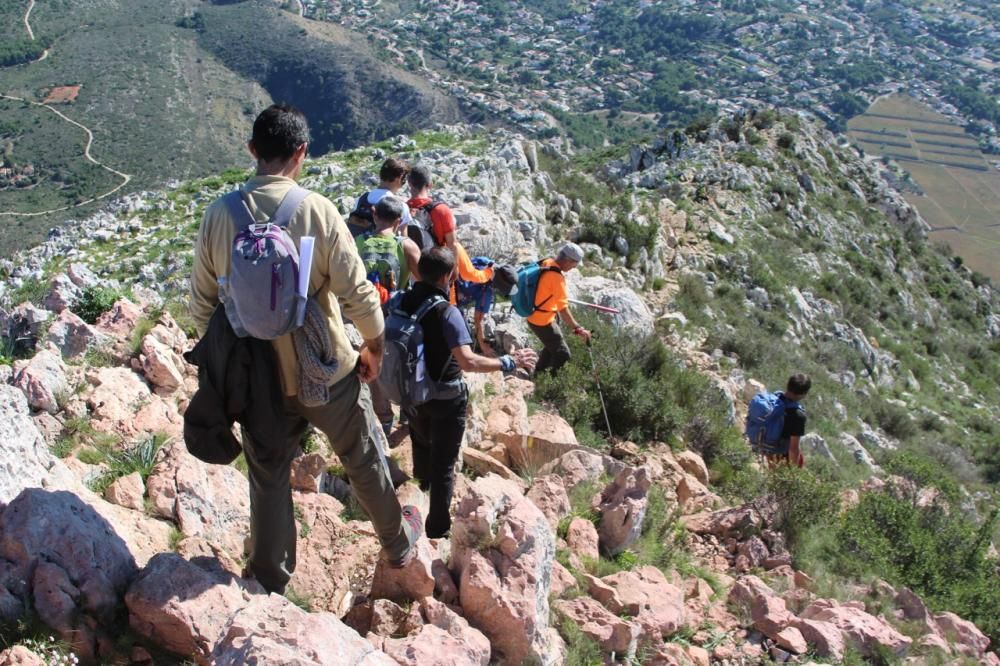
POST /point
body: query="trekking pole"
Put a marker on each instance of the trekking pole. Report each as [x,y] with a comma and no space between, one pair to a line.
[600,393]
[599,308]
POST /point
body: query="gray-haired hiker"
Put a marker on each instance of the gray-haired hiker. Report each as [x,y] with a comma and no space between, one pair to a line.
[337,279]
[551,299]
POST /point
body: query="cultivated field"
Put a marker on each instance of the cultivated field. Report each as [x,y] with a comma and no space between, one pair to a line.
[961,198]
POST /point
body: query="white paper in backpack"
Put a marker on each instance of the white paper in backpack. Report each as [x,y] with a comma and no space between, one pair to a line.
[306,244]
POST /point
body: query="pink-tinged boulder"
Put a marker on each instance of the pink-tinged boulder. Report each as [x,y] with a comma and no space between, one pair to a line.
[507,417]
[208,555]
[308,472]
[410,583]
[825,638]
[693,496]
[121,320]
[866,632]
[964,635]
[693,464]
[614,634]
[25,459]
[738,523]
[746,589]
[622,505]
[64,559]
[484,463]
[118,394]
[912,608]
[562,580]
[272,630]
[548,437]
[445,640]
[770,615]
[934,642]
[644,594]
[43,380]
[698,655]
[581,536]
[791,639]
[503,551]
[73,336]
[161,365]
[63,294]
[211,501]
[582,465]
[20,656]
[549,494]
[330,554]
[127,491]
[185,608]
[751,554]
[157,416]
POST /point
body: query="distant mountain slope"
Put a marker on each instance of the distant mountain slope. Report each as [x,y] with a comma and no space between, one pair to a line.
[168,98]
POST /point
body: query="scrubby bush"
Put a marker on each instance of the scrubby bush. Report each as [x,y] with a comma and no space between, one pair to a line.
[95,301]
[650,395]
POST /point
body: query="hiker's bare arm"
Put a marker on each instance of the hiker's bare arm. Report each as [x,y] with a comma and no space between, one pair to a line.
[793,450]
[470,361]
[412,253]
[370,359]
[449,241]
[571,324]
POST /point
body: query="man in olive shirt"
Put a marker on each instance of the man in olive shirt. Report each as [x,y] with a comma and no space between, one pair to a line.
[279,143]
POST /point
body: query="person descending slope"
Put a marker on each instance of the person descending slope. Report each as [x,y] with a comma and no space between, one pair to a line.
[776,421]
[390,261]
[541,296]
[392,177]
[337,281]
[424,375]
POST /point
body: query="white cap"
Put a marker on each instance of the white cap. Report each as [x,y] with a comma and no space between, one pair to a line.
[571,251]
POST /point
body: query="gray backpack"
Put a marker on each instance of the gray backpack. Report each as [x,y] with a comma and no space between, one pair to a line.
[260,293]
[404,378]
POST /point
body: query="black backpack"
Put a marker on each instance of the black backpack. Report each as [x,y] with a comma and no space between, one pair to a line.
[421,229]
[362,218]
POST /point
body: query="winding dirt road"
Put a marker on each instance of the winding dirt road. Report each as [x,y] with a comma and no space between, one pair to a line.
[126,178]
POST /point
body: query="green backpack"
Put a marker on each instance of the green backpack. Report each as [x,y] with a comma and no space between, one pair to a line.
[384,263]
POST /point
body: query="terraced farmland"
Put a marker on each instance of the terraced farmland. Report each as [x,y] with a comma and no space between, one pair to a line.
[961,199]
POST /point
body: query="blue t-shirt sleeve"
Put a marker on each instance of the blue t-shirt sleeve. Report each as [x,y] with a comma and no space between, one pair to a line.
[456,333]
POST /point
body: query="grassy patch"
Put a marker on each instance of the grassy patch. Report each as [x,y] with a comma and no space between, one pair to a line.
[140,457]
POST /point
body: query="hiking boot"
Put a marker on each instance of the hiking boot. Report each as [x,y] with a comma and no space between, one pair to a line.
[413,524]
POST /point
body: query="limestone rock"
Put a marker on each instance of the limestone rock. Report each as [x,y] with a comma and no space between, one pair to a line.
[308,472]
[739,522]
[503,553]
[121,320]
[867,632]
[622,506]
[43,381]
[73,336]
[211,501]
[646,595]
[445,640]
[410,583]
[582,465]
[581,536]
[161,365]
[693,464]
[20,656]
[549,494]
[127,491]
[612,633]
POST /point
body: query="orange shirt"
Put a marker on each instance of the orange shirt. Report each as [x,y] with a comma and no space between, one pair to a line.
[550,297]
[466,271]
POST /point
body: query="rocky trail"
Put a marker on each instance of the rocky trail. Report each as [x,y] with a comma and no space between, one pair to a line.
[128,550]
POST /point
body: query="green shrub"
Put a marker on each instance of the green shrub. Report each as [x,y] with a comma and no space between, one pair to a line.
[936,551]
[580,648]
[802,498]
[95,301]
[649,395]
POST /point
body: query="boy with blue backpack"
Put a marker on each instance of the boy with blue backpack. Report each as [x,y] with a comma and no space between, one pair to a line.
[428,347]
[776,421]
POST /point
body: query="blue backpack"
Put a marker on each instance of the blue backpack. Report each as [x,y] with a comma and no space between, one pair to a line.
[766,419]
[523,299]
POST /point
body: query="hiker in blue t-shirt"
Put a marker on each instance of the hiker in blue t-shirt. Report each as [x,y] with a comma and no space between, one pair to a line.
[795,422]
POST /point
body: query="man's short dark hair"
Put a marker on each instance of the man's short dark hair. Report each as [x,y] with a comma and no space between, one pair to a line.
[389,208]
[435,264]
[799,384]
[278,132]
[420,177]
[393,169]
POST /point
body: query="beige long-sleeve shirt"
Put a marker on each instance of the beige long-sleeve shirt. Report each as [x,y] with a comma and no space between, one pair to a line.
[337,278]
